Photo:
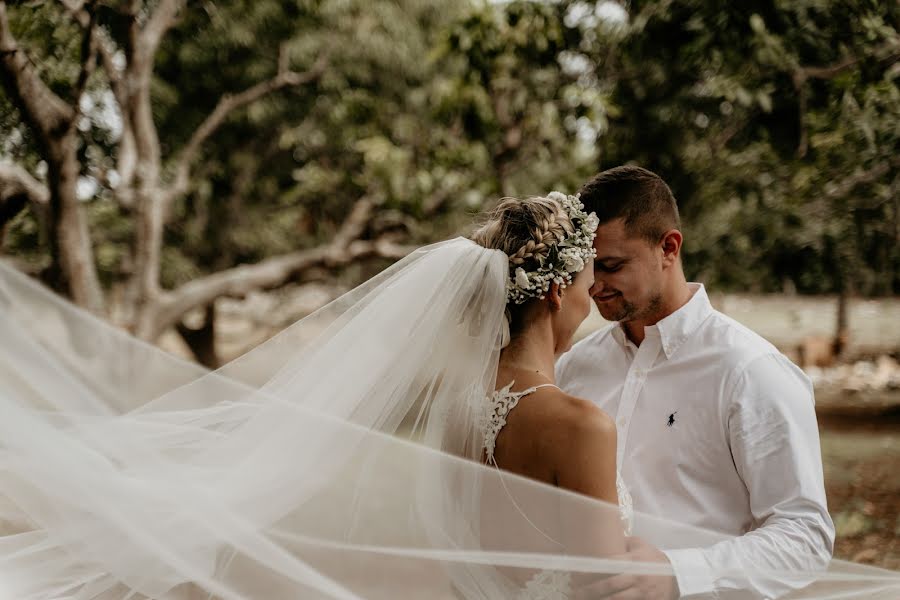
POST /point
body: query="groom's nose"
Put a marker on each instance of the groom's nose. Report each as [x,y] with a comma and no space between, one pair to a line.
[600,286]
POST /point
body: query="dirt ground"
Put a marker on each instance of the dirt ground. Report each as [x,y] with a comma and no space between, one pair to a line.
[861,459]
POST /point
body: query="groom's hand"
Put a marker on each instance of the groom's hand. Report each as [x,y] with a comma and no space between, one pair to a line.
[634,587]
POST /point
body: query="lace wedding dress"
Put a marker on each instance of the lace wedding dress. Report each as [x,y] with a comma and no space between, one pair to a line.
[546,584]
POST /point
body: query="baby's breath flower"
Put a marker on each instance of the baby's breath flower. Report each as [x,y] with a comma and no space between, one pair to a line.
[570,256]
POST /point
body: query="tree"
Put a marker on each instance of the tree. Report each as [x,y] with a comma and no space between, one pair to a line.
[143,178]
[155,156]
[775,122]
[522,96]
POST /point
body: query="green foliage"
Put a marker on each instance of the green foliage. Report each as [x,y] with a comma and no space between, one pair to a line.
[514,99]
[776,124]
[285,173]
[433,109]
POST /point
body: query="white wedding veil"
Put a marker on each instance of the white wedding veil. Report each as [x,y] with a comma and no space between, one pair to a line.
[340,459]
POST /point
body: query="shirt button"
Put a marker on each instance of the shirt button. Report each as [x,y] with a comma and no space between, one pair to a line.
[622,422]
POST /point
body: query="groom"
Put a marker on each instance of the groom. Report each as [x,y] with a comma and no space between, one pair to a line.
[716,428]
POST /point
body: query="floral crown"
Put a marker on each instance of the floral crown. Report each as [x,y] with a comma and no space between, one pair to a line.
[563,260]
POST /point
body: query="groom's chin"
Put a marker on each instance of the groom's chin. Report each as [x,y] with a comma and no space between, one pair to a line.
[608,312]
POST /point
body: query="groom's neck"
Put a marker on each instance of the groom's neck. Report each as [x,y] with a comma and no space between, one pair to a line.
[665,304]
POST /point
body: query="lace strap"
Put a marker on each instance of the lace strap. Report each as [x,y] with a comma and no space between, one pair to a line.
[498,406]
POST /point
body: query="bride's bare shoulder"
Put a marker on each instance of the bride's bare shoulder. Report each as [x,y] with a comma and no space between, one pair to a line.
[577,442]
[570,418]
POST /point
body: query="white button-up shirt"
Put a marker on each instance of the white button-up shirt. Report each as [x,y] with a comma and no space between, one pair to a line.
[716,429]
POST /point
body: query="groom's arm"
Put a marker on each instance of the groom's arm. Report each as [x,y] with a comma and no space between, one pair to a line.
[774,441]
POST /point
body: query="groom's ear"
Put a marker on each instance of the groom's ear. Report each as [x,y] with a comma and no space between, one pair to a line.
[554,295]
[670,244]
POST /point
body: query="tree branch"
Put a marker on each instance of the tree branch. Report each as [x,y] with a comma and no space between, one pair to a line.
[18,189]
[267,274]
[829,71]
[846,186]
[15,179]
[142,45]
[73,6]
[126,148]
[355,224]
[800,86]
[88,59]
[345,248]
[228,104]
[48,114]
[105,48]
[162,19]
[885,52]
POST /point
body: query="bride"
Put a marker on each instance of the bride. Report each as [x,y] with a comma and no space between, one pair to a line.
[548,435]
[405,441]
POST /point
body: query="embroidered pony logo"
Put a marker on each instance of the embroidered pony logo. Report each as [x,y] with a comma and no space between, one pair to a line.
[672,419]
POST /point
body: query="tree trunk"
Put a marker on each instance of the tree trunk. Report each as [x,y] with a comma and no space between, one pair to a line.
[841,331]
[70,243]
[143,288]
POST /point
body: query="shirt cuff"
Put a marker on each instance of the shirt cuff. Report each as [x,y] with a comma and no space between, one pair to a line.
[692,572]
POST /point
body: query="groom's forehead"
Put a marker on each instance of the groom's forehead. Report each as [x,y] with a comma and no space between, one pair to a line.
[613,234]
[615,244]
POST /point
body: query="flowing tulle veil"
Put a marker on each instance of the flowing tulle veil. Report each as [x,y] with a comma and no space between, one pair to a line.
[340,459]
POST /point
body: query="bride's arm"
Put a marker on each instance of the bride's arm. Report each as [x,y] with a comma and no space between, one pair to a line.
[585,463]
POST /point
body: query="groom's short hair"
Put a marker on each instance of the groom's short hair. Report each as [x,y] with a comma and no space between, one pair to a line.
[638,196]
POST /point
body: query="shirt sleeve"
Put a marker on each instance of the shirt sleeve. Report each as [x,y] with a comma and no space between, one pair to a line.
[774,442]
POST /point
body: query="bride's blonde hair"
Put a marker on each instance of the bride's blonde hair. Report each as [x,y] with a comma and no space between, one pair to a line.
[525,230]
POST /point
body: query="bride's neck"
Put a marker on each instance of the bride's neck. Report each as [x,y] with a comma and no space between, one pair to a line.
[531,350]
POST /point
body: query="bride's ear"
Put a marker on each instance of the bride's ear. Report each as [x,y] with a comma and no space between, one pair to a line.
[554,295]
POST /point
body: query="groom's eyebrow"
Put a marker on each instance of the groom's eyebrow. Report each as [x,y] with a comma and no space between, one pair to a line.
[604,259]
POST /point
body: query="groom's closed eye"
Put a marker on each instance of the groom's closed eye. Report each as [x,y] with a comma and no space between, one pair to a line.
[610,267]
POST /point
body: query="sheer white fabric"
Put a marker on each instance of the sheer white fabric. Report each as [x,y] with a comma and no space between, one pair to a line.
[545,585]
[340,459]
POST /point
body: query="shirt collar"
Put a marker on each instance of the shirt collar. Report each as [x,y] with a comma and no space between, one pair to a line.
[675,329]
[678,327]
[618,333]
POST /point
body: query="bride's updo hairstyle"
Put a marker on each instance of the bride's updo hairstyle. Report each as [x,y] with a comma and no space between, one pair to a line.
[527,231]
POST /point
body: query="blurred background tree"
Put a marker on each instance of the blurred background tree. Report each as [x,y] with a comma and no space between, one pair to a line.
[156,156]
[777,125]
